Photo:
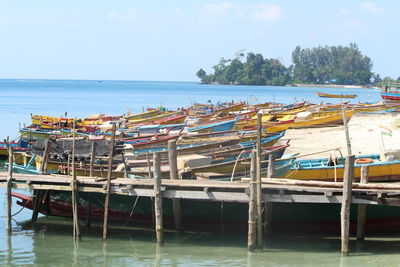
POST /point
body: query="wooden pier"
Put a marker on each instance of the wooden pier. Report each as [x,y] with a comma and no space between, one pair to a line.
[272,190]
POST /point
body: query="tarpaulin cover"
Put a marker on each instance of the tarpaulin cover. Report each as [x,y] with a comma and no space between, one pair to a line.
[62,147]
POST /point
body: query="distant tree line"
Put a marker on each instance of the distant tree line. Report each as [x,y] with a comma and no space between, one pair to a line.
[318,65]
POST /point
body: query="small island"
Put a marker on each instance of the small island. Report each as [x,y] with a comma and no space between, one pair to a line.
[322,65]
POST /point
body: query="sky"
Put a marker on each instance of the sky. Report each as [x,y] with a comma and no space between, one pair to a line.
[169,40]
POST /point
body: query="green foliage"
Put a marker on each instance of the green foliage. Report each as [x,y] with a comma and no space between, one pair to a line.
[331,64]
[318,65]
[254,71]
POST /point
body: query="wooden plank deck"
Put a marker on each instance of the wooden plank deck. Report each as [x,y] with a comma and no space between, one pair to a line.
[273,190]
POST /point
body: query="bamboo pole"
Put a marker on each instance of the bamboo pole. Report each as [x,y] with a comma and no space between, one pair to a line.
[158,198]
[173,174]
[108,185]
[252,229]
[346,202]
[75,219]
[346,130]
[258,175]
[362,208]
[9,187]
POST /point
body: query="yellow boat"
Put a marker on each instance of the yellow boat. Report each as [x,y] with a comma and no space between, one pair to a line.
[158,116]
[316,119]
[325,169]
[144,115]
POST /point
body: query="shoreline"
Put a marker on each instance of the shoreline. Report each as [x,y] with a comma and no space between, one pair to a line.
[364,131]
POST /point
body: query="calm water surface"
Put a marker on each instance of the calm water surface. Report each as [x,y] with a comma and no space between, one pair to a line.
[49,241]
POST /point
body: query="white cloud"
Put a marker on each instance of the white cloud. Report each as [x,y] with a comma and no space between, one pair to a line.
[344,11]
[221,9]
[371,7]
[267,12]
[128,14]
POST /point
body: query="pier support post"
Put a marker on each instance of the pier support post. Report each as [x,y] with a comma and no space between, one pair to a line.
[173,174]
[108,185]
[148,165]
[269,205]
[125,165]
[346,130]
[45,158]
[9,187]
[271,166]
[259,191]
[91,174]
[252,230]
[158,198]
[92,158]
[346,202]
[362,208]
[75,220]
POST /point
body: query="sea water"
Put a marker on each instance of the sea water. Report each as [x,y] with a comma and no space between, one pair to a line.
[49,241]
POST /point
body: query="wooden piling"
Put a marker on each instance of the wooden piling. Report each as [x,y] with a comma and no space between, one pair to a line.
[45,158]
[271,166]
[92,158]
[108,185]
[259,192]
[269,205]
[346,202]
[158,198]
[91,174]
[125,165]
[173,174]
[148,165]
[74,191]
[9,187]
[252,229]
[346,130]
[362,208]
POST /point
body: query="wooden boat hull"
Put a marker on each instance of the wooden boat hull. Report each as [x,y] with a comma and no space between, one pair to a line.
[379,171]
[286,216]
[335,96]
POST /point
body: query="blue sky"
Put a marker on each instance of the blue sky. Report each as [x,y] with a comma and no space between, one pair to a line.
[171,40]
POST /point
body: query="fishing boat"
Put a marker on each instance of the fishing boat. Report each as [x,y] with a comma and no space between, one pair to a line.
[391,92]
[335,96]
[139,210]
[312,120]
[326,169]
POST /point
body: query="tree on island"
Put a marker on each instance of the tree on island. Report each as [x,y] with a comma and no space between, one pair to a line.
[318,65]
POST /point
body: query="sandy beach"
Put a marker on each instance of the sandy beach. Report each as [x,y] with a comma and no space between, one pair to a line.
[365,136]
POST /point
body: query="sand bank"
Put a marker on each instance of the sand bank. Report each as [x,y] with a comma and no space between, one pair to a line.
[365,136]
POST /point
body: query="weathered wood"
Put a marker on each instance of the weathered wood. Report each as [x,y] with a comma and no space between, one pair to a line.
[125,165]
[173,174]
[362,208]
[45,158]
[346,202]
[271,166]
[259,192]
[252,229]
[74,185]
[108,185]
[37,200]
[148,165]
[158,198]
[346,130]
[9,187]
[92,158]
